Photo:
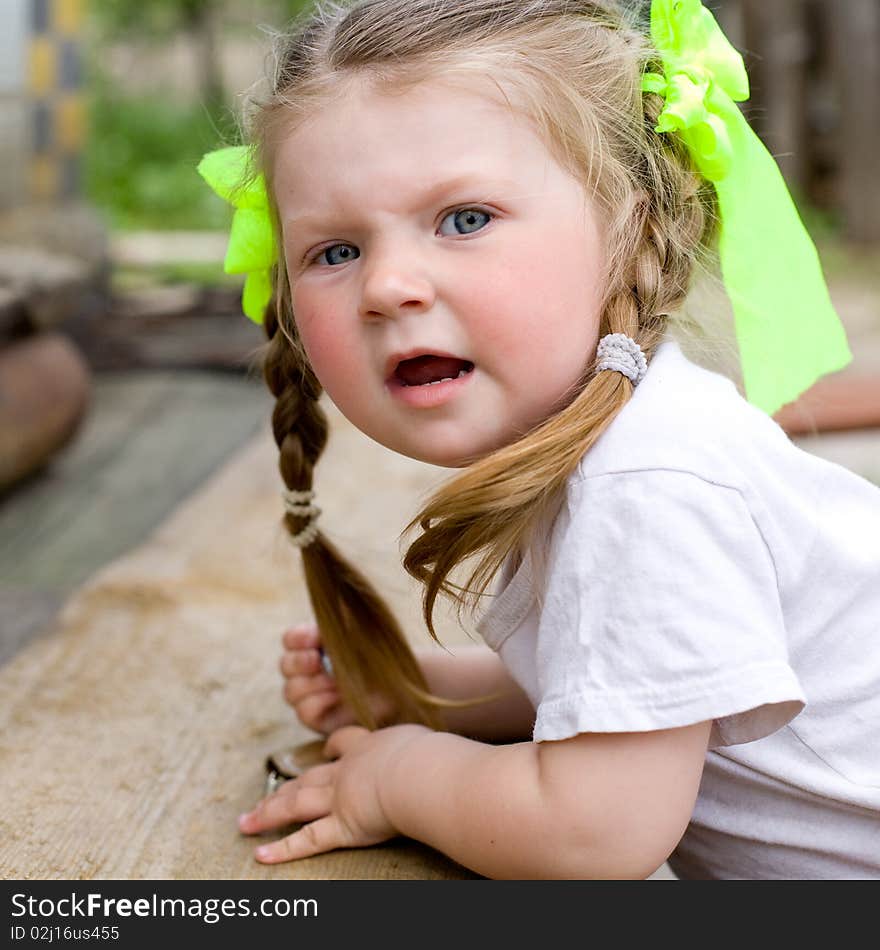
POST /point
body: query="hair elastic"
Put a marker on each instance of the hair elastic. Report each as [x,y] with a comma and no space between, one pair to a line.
[621,353]
[299,503]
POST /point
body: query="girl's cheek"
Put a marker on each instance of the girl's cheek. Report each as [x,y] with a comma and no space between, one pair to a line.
[507,307]
[325,349]
[331,352]
[314,324]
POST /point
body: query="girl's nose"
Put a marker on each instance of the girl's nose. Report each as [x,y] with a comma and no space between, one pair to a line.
[394,285]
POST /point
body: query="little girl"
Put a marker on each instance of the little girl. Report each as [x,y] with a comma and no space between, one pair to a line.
[475,224]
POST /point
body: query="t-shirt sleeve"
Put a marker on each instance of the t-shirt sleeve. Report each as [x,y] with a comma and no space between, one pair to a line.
[661,610]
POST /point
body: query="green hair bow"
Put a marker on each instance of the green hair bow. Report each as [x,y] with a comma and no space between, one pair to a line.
[787,330]
[251,250]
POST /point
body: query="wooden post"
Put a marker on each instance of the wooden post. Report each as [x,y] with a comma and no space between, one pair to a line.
[856,28]
[776,36]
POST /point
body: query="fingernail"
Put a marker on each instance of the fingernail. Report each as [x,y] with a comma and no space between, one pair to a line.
[263,852]
[242,818]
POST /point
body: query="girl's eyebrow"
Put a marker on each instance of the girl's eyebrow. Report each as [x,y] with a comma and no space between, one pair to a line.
[433,194]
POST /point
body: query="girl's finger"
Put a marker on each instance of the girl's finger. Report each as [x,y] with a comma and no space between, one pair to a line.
[325,834]
[343,740]
[301,637]
[292,802]
[335,719]
[318,775]
[299,688]
[312,709]
[300,661]
[300,685]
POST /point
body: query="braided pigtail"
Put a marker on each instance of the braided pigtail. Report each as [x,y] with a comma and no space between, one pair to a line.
[358,630]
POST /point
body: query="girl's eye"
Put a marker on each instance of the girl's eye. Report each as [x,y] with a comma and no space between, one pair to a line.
[337,254]
[467,220]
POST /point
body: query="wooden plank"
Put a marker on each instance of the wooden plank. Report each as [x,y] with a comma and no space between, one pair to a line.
[777,36]
[24,615]
[134,735]
[835,403]
[855,28]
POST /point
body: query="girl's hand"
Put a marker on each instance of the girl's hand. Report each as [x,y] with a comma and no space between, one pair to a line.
[312,691]
[339,800]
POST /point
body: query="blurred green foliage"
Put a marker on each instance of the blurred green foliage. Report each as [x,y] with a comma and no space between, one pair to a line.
[140,162]
[157,17]
[161,18]
[136,277]
[142,149]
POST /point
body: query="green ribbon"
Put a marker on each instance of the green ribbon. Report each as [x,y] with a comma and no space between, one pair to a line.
[787,330]
[251,249]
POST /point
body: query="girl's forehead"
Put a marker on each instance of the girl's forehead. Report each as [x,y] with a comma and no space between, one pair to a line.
[439,119]
[356,102]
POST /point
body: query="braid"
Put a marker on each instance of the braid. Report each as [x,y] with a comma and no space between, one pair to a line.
[362,637]
[298,422]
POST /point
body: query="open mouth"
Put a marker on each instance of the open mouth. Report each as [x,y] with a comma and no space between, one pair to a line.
[429,370]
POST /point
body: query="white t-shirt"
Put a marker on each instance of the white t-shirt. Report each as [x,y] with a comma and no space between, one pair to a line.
[704,567]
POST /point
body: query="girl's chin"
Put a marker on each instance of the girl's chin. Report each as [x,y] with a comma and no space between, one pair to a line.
[443,457]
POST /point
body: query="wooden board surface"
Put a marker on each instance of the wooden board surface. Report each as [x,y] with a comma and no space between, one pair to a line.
[136,731]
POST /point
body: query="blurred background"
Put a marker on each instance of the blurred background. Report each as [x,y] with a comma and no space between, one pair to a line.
[125,363]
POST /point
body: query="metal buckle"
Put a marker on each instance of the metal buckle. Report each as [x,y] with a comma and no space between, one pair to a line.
[285,764]
[273,780]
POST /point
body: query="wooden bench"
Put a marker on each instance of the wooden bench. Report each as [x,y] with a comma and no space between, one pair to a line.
[838,403]
[136,732]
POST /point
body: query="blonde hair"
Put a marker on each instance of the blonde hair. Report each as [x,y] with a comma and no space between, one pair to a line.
[574,69]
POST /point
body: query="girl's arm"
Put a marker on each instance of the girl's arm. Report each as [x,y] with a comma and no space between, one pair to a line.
[610,805]
[598,805]
[473,671]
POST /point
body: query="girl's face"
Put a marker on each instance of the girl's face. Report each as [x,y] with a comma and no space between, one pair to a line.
[436,222]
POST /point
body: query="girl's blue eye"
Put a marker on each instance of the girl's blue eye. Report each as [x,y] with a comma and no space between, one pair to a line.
[348,252]
[465,221]
[469,219]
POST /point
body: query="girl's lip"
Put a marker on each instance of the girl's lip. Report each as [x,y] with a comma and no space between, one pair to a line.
[429,395]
